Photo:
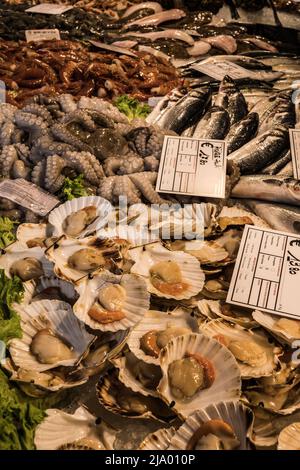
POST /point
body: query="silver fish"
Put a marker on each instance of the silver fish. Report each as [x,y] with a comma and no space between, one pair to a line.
[268,188]
[279,216]
[275,167]
[261,151]
[214,124]
[187,111]
[242,132]
[282,112]
[231,99]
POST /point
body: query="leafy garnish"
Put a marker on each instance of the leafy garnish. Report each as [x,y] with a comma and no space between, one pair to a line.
[11,290]
[132,107]
[73,188]
[7,231]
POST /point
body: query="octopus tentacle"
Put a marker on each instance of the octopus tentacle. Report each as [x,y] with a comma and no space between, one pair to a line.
[97,167]
[45,146]
[124,186]
[8,111]
[38,110]
[38,173]
[35,125]
[151,163]
[104,107]
[7,160]
[67,103]
[131,163]
[80,117]
[20,170]
[60,133]
[106,187]
[81,164]
[7,133]
[145,183]
[53,177]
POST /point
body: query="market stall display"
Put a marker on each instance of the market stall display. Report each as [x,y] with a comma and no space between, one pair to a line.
[115,331]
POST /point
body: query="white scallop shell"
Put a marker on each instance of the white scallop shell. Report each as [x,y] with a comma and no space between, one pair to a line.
[207,252]
[218,327]
[27,232]
[57,316]
[227,383]
[289,438]
[232,212]
[136,236]
[66,288]
[269,322]
[59,428]
[127,378]
[18,251]
[135,305]
[190,268]
[48,380]
[238,416]
[158,440]
[156,320]
[59,214]
[60,252]
[211,309]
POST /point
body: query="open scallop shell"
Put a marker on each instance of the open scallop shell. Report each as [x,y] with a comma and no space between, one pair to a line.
[18,251]
[59,214]
[289,438]
[238,216]
[134,307]
[238,416]
[41,382]
[57,316]
[156,320]
[59,429]
[237,333]
[212,309]
[28,234]
[191,271]
[227,383]
[65,288]
[65,247]
[207,252]
[158,440]
[125,375]
[109,389]
[270,323]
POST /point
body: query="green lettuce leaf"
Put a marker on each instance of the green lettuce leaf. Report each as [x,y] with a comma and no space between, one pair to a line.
[7,231]
[132,107]
[73,188]
[11,290]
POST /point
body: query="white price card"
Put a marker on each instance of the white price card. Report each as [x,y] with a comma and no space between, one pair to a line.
[28,195]
[219,68]
[267,272]
[49,9]
[195,167]
[41,35]
[295,151]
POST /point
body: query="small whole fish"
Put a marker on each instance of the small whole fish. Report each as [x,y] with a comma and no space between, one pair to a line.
[268,188]
[281,113]
[279,216]
[242,132]
[260,151]
[287,170]
[186,111]
[214,124]
[231,99]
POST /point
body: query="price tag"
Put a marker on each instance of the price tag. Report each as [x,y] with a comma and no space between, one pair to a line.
[41,35]
[295,151]
[111,48]
[49,9]
[28,195]
[219,69]
[267,272]
[195,167]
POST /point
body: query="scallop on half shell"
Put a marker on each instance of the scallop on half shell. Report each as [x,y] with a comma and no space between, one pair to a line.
[32,235]
[169,274]
[75,258]
[156,329]
[197,371]
[286,330]
[52,336]
[255,355]
[215,427]
[158,440]
[60,430]
[108,302]
[80,216]
[26,263]
[212,309]
[289,438]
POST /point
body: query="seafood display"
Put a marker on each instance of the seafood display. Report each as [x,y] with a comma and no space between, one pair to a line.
[115,329]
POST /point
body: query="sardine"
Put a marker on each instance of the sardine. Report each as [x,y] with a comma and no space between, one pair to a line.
[242,132]
[261,151]
[279,216]
[275,167]
[231,99]
[268,188]
[282,112]
[214,125]
[186,111]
